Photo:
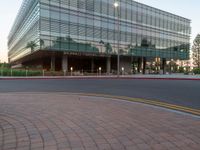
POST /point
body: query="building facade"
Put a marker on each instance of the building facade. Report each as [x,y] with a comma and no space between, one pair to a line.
[84,34]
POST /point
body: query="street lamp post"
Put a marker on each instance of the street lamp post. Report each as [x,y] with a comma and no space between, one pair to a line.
[116,5]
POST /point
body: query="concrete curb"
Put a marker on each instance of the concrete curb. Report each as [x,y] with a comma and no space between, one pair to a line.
[98,78]
[179,108]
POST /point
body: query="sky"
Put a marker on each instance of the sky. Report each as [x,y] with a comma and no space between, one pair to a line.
[186,8]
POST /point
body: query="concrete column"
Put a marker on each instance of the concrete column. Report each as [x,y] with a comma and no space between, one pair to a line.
[53,63]
[144,65]
[108,65]
[164,65]
[92,65]
[65,63]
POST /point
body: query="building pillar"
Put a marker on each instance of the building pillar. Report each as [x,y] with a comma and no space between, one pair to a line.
[65,63]
[108,65]
[144,65]
[53,62]
[164,65]
[92,65]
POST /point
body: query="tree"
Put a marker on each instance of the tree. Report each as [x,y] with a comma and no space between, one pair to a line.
[31,45]
[196,51]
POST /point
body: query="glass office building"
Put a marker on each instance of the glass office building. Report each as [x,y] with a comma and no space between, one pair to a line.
[85,34]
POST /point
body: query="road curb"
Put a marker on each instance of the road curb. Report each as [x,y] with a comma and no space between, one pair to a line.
[148,102]
[100,78]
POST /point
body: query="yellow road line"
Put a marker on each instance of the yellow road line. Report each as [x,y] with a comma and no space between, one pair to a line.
[146,101]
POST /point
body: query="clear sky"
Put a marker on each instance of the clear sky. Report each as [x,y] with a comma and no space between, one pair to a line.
[187,8]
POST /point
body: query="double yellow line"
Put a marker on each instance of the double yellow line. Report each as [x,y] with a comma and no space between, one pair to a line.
[149,102]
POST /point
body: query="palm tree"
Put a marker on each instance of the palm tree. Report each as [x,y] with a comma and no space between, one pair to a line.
[108,48]
[102,44]
[41,43]
[31,45]
[69,39]
[130,48]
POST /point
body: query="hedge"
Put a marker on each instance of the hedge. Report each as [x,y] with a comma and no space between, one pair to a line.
[14,72]
[196,70]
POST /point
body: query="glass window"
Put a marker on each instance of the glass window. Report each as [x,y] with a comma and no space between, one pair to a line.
[45,13]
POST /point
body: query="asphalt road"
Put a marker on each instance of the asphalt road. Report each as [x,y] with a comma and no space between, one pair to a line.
[179,92]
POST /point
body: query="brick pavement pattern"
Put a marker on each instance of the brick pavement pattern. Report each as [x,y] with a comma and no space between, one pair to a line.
[61,121]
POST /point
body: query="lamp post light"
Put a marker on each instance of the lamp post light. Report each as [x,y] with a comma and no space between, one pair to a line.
[136,68]
[100,71]
[71,69]
[116,5]
[122,70]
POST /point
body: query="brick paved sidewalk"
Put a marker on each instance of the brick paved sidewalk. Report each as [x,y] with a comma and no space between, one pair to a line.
[59,121]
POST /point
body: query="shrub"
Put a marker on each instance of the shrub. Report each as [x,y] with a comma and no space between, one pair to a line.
[19,73]
[196,70]
[181,70]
